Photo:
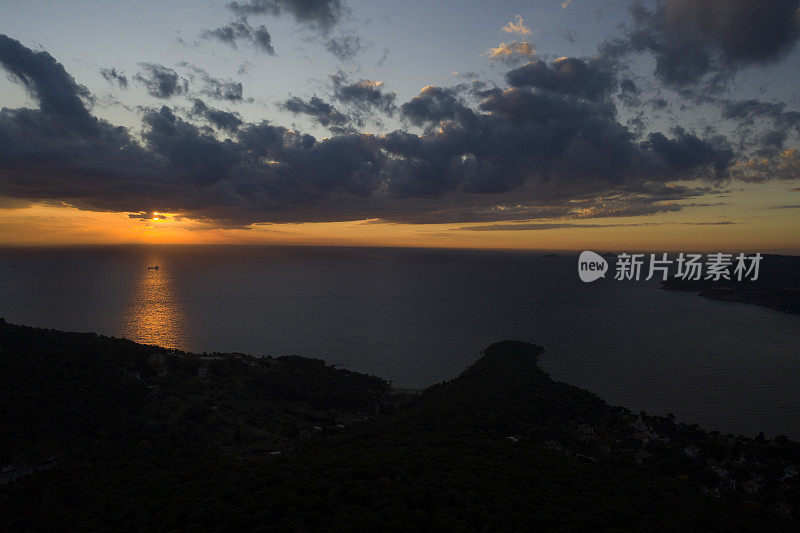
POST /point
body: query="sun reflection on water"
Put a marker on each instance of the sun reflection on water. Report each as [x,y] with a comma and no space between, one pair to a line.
[154,314]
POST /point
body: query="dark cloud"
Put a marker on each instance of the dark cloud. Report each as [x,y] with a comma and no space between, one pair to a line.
[518,154]
[433,105]
[531,137]
[223,90]
[770,142]
[539,226]
[706,40]
[111,75]
[345,46]
[363,95]
[216,88]
[322,112]
[629,93]
[745,31]
[240,31]
[160,81]
[659,104]
[318,14]
[359,102]
[46,158]
[686,151]
[546,226]
[191,155]
[567,75]
[223,120]
[748,111]
[763,127]
[47,81]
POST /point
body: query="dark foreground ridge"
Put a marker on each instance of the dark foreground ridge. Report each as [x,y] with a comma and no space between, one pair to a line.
[778,285]
[103,433]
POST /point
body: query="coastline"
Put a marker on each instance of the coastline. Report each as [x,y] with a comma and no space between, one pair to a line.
[778,286]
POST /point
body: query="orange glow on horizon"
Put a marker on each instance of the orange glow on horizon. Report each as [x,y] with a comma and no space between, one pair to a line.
[748,219]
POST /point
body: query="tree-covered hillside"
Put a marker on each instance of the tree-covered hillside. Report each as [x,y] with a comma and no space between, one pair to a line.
[115,435]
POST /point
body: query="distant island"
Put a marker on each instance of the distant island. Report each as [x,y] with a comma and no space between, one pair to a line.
[105,434]
[777,287]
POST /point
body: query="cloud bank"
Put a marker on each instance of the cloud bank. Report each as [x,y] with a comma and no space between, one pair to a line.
[547,144]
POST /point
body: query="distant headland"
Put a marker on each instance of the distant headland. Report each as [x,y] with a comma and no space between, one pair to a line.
[777,287]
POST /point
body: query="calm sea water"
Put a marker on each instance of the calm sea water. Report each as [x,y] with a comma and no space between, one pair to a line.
[421,316]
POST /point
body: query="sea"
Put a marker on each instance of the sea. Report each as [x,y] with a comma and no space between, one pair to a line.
[421,316]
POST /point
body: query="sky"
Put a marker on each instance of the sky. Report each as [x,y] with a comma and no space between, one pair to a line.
[552,125]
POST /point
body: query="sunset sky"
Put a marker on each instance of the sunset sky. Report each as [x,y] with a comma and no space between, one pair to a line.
[551,124]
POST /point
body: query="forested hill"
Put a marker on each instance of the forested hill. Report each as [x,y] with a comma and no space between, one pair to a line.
[123,436]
